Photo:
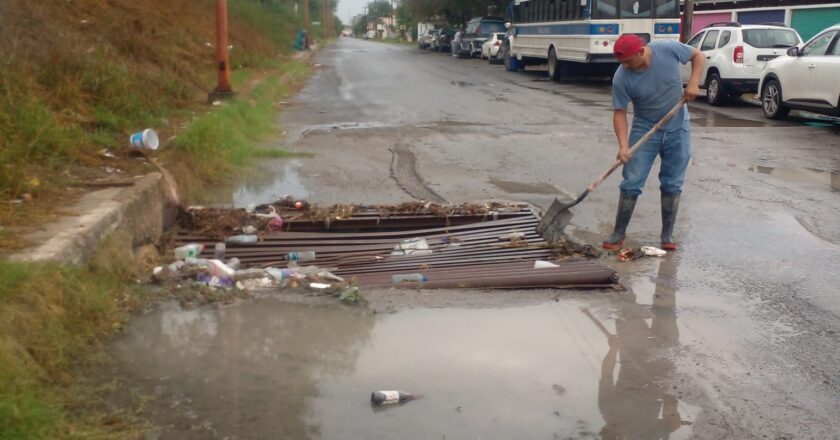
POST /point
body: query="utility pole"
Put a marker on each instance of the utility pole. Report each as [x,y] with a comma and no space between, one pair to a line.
[306,20]
[688,20]
[326,18]
[223,89]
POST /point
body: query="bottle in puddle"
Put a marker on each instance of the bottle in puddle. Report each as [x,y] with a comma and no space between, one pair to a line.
[390,397]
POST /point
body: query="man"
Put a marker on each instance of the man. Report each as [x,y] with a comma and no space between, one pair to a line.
[649,76]
[455,46]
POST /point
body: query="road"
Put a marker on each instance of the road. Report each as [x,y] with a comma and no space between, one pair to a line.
[735,336]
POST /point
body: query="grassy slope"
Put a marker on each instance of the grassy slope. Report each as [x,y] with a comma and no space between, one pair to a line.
[79,76]
[76,77]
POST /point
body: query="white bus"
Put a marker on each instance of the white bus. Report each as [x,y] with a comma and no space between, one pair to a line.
[565,34]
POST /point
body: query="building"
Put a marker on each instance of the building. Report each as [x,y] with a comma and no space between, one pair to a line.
[806,16]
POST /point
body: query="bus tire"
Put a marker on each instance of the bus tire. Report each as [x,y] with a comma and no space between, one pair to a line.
[555,67]
[510,62]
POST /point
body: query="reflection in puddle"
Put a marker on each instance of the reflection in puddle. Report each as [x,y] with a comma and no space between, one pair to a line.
[272,369]
[270,180]
[801,175]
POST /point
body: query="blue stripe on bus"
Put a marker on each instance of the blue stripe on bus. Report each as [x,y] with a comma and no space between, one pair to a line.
[569,29]
[666,28]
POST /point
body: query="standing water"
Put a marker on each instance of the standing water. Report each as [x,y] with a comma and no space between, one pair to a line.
[273,369]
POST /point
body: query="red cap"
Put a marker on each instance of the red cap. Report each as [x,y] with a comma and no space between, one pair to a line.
[627,45]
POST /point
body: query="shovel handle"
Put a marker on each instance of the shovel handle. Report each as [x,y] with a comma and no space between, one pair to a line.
[639,143]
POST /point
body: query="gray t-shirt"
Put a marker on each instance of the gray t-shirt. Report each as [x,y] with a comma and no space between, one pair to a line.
[655,90]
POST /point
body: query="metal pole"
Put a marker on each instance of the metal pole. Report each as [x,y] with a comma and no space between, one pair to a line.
[223,89]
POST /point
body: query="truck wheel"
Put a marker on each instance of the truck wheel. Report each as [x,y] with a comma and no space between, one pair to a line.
[510,62]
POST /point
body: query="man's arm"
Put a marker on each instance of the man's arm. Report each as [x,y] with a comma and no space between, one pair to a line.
[621,132]
[692,89]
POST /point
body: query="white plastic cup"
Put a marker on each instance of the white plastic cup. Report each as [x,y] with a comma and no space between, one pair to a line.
[145,140]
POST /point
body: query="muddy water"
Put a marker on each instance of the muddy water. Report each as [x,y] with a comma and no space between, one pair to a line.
[274,369]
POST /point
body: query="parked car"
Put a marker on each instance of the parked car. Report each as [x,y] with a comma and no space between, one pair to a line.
[736,55]
[443,40]
[490,48]
[477,31]
[425,40]
[807,79]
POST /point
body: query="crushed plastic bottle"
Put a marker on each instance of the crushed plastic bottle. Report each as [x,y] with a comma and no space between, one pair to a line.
[188,250]
[409,277]
[280,274]
[233,263]
[219,251]
[242,239]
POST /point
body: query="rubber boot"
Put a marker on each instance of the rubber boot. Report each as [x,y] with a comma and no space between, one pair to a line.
[670,205]
[626,204]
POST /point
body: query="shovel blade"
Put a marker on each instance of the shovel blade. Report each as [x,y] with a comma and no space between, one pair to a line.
[554,221]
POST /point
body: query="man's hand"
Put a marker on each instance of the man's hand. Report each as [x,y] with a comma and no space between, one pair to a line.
[623,155]
[691,91]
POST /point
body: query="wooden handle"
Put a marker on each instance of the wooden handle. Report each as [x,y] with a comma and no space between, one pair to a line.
[639,143]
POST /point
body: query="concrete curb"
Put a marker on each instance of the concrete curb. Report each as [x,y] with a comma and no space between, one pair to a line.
[137,210]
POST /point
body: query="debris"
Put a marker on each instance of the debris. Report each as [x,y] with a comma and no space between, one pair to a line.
[319,286]
[628,254]
[301,256]
[219,251]
[541,264]
[249,230]
[391,397]
[513,236]
[144,140]
[411,277]
[412,246]
[188,250]
[651,251]
[106,153]
[242,239]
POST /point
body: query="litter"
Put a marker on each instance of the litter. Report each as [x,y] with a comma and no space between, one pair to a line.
[540,264]
[651,251]
[412,246]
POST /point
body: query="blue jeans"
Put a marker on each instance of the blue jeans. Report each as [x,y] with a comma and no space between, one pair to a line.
[675,149]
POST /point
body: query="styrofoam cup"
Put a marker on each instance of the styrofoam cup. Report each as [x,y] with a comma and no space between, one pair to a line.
[145,140]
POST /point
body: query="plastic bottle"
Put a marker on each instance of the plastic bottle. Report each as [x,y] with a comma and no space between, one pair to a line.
[233,263]
[301,256]
[219,251]
[188,250]
[391,397]
[241,239]
[409,277]
[280,274]
[249,230]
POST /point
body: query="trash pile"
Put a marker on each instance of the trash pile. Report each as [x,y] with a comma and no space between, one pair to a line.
[409,245]
[217,272]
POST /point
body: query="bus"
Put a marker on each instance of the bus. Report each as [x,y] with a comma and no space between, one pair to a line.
[569,34]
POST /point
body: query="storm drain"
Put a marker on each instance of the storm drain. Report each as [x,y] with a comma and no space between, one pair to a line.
[492,245]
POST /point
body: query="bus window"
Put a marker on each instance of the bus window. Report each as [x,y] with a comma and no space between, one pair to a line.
[636,9]
[667,8]
[605,9]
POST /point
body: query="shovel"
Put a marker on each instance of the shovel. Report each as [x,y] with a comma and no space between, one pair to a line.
[555,220]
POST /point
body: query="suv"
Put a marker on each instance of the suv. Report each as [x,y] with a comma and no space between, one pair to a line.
[442,41]
[807,79]
[476,33]
[735,56]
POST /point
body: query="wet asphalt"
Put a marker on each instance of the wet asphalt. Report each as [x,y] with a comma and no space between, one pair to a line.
[735,336]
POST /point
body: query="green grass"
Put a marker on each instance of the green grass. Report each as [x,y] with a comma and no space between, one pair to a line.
[49,315]
[225,139]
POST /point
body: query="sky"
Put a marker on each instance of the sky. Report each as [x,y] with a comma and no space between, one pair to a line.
[346,9]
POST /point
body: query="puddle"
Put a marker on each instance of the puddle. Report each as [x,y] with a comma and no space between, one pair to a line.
[524,188]
[273,369]
[269,180]
[801,175]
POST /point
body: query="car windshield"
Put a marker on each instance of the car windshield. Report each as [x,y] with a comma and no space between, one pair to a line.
[770,38]
[490,27]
